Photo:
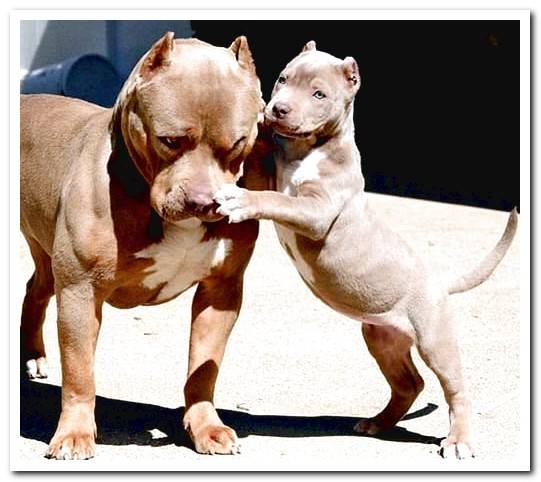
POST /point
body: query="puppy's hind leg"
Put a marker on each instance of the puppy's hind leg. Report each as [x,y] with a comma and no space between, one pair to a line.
[39,290]
[391,349]
[438,347]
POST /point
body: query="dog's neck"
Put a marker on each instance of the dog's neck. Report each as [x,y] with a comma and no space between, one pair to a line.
[121,166]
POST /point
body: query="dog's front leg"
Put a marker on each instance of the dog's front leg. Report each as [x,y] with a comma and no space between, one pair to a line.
[310,214]
[215,309]
[79,318]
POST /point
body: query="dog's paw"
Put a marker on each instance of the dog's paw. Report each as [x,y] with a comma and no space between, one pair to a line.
[216,439]
[234,203]
[79,446]
[36,368]
[368,426]
[450,448]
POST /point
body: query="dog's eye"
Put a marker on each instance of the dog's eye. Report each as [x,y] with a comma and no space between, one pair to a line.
[237,144]
[281,79]
[173,143]
[319,95]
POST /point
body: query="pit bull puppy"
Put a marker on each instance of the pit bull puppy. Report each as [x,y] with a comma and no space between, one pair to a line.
[117,206]
[344,253]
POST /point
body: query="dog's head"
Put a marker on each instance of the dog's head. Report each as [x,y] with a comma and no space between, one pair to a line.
[188,116]
[313,94]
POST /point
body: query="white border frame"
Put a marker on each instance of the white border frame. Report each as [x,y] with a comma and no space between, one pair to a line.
[269,462]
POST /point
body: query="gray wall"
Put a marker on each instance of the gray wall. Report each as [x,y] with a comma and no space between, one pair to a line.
[128,40]
[45,42]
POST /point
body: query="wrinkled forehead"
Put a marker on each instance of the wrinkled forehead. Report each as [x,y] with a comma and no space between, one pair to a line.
[205,61]
[200,88]
[314,64]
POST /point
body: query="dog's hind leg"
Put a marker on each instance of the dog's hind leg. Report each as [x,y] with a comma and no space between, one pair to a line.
[438,347]
[39,290]
[392,351]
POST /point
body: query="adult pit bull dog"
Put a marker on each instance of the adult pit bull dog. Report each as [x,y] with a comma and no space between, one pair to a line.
[347,257]
[117,206]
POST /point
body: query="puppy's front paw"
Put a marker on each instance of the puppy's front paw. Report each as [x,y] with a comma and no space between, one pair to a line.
[234,203]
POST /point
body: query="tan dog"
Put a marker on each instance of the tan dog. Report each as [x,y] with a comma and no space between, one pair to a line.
[116,206]
[346,256]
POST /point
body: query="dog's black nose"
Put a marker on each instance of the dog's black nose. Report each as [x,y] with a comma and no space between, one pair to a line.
[280,110]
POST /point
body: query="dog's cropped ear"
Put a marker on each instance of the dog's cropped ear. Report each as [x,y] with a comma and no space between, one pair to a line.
[351,71]
[242,53]
[309,46]
[158,56]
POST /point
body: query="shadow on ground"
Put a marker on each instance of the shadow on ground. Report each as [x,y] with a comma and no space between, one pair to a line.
[126,423]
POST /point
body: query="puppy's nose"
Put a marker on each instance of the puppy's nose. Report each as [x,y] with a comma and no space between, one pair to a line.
[280,110]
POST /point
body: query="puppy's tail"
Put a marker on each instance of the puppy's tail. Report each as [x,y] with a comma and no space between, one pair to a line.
[492,259]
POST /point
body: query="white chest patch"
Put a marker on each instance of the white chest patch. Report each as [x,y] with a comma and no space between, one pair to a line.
[294,173]
[181,258]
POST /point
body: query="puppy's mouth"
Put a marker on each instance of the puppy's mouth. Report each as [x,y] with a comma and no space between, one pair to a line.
[284,129]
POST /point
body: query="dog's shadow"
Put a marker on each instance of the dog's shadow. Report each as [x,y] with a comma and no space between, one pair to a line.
[122,422]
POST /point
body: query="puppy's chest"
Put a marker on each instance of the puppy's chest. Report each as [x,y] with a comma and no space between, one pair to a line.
[290,174]
[181,258]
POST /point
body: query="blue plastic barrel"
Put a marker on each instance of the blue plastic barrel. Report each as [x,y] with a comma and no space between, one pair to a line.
[90,77]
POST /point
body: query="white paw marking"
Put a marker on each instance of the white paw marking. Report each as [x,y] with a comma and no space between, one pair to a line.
[228,192]
[37,368]
[230,198]
[459,450]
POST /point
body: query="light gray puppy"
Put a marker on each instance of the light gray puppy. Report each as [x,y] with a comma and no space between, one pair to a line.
[348,258]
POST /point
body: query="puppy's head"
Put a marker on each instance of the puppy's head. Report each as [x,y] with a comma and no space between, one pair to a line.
[188,117]
[313,94]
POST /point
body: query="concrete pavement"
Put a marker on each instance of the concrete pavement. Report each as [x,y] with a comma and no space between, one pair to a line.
[297,375]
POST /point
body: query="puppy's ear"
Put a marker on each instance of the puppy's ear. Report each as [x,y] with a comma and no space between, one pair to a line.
[351,72]
[309,46]
[242,53]
[158,57]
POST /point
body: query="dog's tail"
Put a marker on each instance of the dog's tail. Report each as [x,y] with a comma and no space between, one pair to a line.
[492,259]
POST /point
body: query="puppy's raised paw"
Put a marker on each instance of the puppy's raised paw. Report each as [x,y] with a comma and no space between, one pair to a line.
[228,192]
[234,203]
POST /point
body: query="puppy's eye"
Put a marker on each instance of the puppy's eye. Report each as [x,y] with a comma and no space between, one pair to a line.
[281,79]
[319,95]
[173,143]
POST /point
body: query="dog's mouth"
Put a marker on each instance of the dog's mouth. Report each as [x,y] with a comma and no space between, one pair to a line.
[210,216]
[174,207]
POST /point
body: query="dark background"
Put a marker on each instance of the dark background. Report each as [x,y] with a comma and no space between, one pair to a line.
[437,114]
